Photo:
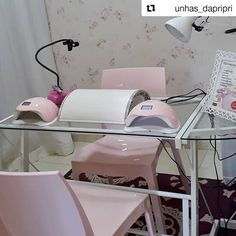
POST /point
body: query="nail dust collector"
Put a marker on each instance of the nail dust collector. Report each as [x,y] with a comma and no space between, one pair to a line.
[100,105]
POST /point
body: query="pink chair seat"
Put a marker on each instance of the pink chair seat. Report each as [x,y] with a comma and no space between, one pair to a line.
[119,206]
[3,230]
[44,204]
[119,149]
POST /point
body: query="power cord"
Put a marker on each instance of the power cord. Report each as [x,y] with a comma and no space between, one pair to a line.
[182,171]
[229,219]
[185,97]
[218,181]
[216,154]
[212,121]
[169,155]
[231,181]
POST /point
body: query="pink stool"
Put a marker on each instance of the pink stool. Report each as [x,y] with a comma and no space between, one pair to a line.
[127,155]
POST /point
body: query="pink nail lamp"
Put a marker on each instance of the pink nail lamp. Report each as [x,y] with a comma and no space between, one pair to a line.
[153,115]
[37,110]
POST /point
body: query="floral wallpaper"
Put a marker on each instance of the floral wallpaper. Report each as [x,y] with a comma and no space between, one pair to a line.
[113,34]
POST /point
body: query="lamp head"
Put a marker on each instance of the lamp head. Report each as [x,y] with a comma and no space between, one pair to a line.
[181,27]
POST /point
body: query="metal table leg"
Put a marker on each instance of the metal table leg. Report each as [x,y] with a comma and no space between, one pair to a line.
[25,150]
[194,189]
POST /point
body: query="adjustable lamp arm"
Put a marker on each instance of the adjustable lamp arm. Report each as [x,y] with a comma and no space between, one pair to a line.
[70,45]
[200,27]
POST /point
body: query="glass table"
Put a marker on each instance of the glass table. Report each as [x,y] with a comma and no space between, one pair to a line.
[190,133]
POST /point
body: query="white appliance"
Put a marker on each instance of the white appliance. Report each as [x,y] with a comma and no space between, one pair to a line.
[100,105]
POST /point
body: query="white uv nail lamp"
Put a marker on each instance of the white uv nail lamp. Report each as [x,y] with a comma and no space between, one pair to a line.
[100,105]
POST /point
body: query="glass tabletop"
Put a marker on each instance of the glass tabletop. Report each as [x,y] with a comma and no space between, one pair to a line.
[183,110]
[204,126]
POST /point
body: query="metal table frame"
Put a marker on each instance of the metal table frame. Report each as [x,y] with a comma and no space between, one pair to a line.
[194,134]
[186,133]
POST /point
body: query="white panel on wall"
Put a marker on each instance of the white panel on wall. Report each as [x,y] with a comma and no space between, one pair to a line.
[114,34]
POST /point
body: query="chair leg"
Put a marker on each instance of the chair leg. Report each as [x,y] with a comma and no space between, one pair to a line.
[149,221]
[75,171]
[110,180]
[180,167]
[156,202]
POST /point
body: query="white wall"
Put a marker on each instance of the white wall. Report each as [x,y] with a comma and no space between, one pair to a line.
[114,34]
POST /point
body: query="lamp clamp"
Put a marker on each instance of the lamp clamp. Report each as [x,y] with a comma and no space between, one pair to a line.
[70,44]
[200,27]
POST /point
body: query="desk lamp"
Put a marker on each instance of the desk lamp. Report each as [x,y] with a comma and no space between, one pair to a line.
[181,27]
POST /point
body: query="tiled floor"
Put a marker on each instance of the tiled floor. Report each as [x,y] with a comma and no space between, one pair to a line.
[42,161]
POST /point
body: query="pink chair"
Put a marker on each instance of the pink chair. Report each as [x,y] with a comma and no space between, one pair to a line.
[3,230]
[125,155]
[44,204]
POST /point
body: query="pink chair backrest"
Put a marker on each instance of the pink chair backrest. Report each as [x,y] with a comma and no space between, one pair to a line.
[40,204]
[150,79]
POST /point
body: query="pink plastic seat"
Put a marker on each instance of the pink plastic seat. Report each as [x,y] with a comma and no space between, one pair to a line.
[126,155]
[3,230]
[44,204]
